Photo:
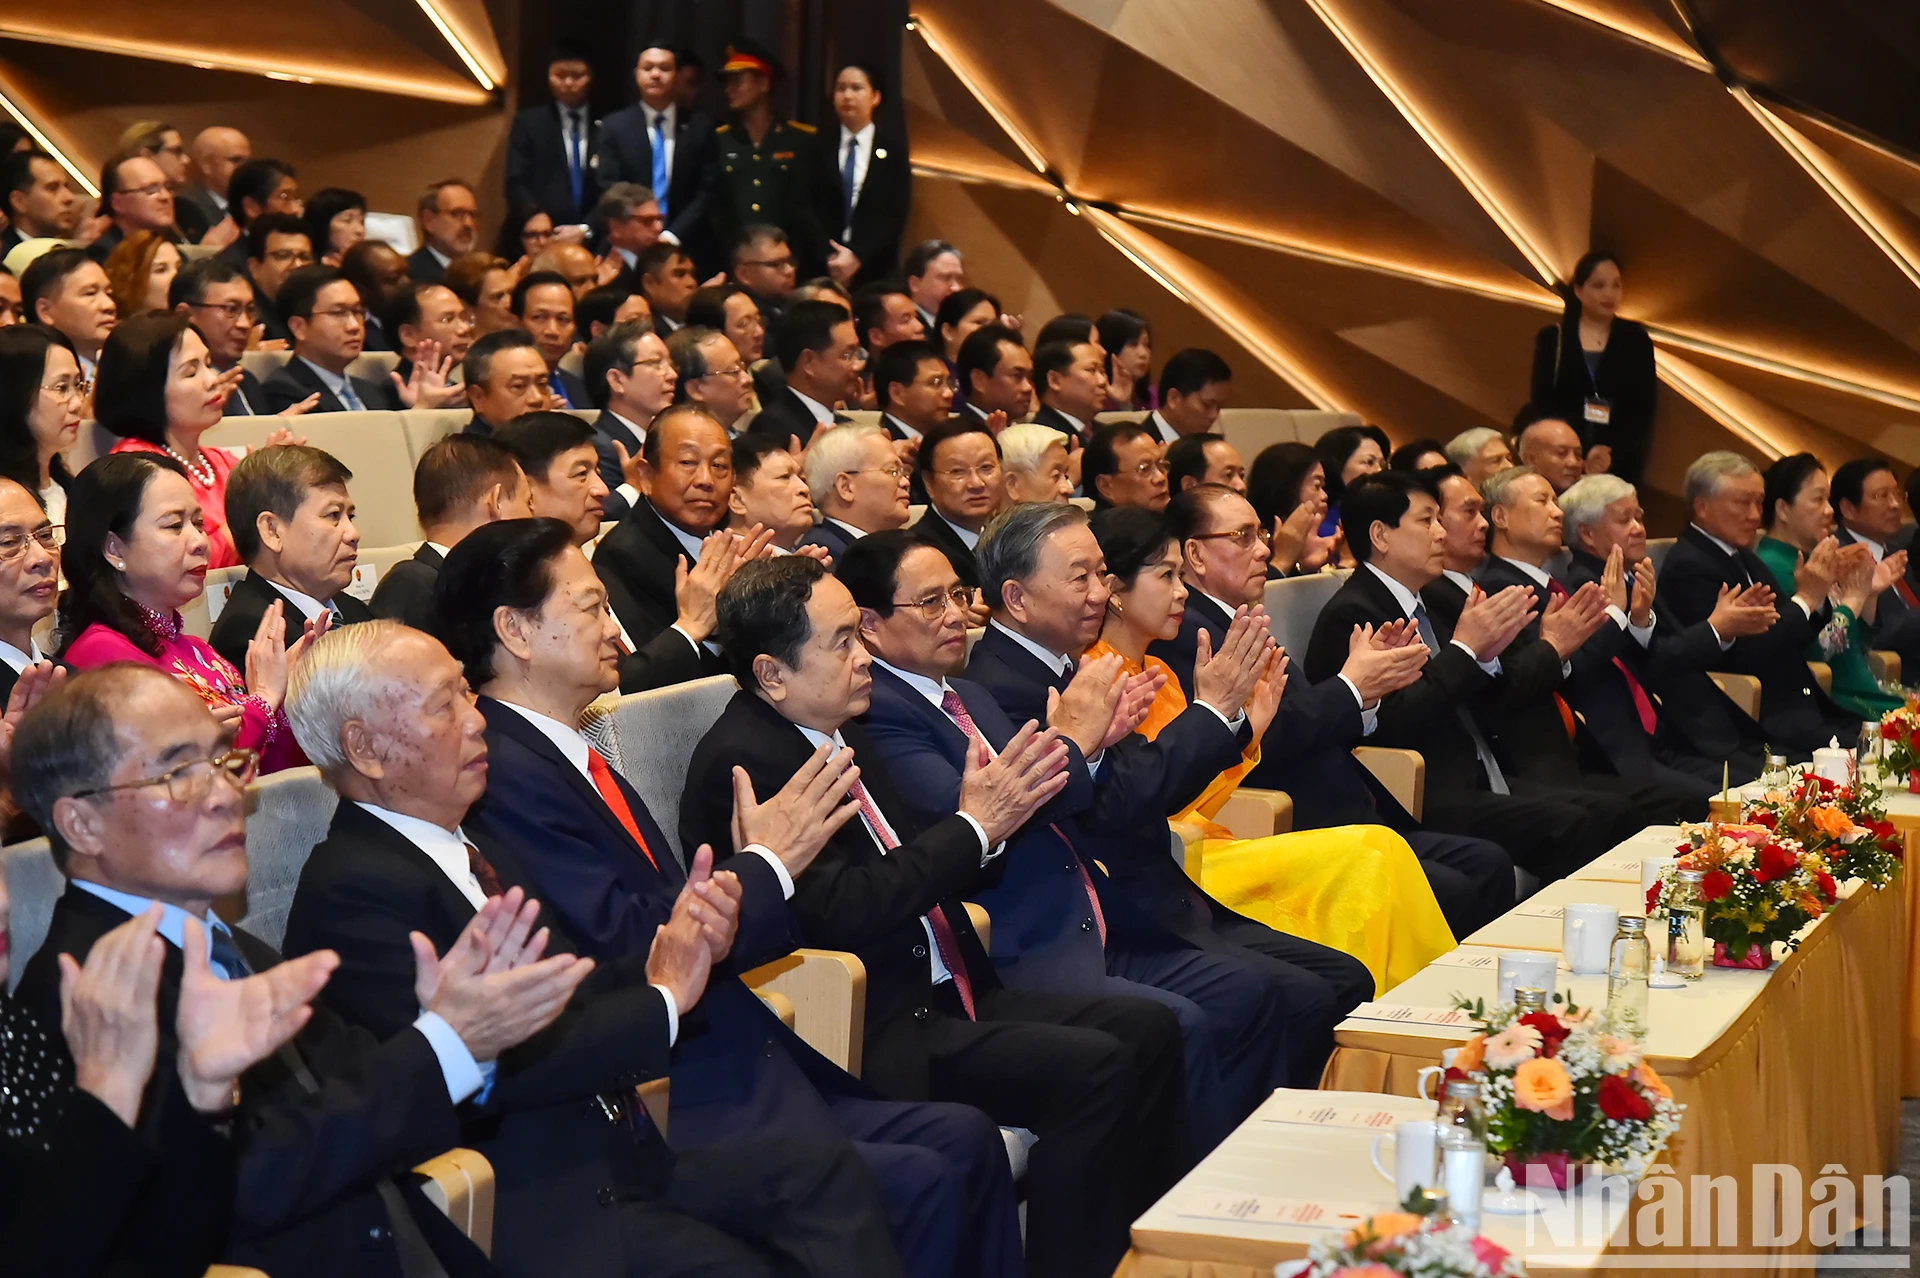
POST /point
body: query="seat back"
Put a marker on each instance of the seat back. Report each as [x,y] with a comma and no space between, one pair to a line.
[264,364]
[1657,548]
[213,600]
[862,416]
[657,732]
[1251,429]
[34,883]
[1294,604]
[287,814]
[425,427]
[374,366]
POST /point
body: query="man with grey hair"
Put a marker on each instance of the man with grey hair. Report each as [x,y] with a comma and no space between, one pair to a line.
[632,218]
[1653,708]
[449,223]
[1045,579]
[385,712]
[711,373]
[858,483]
[1714,558]
[1586,630]
[1035,460]
[1553,448]
[1479,452]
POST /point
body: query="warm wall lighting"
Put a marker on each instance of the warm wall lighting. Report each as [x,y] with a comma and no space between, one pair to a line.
[453,37]
[959,171]
[1694,387]
[974,83]
[12,107]
[1652,36]
[451,90]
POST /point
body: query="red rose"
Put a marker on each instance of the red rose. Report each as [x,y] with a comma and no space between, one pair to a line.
[1653,895]
[1620,1102]
[1715,884]
[1827,784]
[1775,863]
[1552,1032]
[1768,819]
[1828,888]
[1888,732]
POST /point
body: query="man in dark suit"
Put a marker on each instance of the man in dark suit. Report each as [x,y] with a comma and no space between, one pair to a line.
[386,711]
[505,375]
[29,580]
[1044,580]
[1576,636]
[651,562]
[550,147]
[817,346]
[1308,751]
[630,377]
[1071,381]
[543,303]
[449,216]
[292,523]
[1097,1078]
[39,201]
[606,869]
[1866,502]
[1396,534]
[859,485]
[664,275]
[958,463]
[996,374]
[1714,556]
[1697,731]
[217,298]
[669,150]
[875,189]
[328,323]
[1194,387]
[145,809]
[914,388]
[1050,929]
[461,483]
[275,246]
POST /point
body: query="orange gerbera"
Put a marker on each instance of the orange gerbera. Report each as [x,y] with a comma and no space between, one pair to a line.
[1644,1075]
[1471,1054]
[1543,1086]
[1831,822]
[1384,1228]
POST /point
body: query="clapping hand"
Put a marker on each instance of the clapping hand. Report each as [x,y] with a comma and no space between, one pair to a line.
[1571,620]
[1488,623]
[1084,713]
[493,987]
[1739,613]
[431,383]
[1225,679]
[108,1013]
[1384,660]
[226,1026]
[1265,701]
[1001,792]
[796,823]
[696,590]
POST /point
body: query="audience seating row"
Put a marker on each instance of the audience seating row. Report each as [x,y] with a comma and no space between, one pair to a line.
[373,365]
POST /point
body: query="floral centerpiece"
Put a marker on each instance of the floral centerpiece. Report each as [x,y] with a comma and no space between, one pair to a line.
[1565,1088]
[1401,1243]
[1846,825]
[1898,730]
[1757,886]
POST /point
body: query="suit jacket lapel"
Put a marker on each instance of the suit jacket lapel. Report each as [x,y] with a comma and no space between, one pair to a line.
[355,823]
[329,402]
[952,741]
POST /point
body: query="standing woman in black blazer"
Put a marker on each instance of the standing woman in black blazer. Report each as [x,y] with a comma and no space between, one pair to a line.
[873,186]
[1595,371]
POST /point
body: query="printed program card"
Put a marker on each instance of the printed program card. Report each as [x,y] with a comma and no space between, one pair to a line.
[1538,912]
[1407,1014]
[1476,960]
[1320,1115]
[1253,1209]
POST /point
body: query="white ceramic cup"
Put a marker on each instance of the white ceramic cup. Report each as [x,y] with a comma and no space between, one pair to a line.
[1655,868]
[1586,934]
[1414,1145]
[1436,1073]
[1525,970]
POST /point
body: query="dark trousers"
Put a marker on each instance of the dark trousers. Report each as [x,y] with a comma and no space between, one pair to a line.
[1648,800]
[949,1191]
[1472,879]
[1232,1021]
[1099,1081]
[777,1208]
[1318,986]
[1545,833]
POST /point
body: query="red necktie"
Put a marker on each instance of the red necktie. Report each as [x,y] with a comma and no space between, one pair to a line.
[603,782]
[1642,703]
[957,711]
[944,937]
[483,873]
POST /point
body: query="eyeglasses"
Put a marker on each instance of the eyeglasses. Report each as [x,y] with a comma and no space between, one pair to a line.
[653,364]
[66,389]
[14,544]
[1241,537]
[986,472]
[190,782]
[734,371]
[934,607]
[342,313]
[229,311]
[1155,467]
[290,257]
[150,189]
[894,471]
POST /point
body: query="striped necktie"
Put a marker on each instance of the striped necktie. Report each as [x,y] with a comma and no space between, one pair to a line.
[944,937]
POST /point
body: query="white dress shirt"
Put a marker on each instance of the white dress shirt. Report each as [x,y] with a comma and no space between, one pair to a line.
[1408,601]
[690,544]
[1079,426]
[1155,422]
[860,161]
[1879,550]
[17,660]
[309,607]
[821,413]
[880,836]
[968,538]
[573,747]
[902,427]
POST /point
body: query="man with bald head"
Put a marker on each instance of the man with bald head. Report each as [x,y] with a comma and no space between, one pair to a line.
[217,152]
[1552,448]
[573,262]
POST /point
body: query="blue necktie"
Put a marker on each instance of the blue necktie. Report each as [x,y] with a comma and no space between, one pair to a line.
[660,162]
[577,158]
[226,956]
[350,400]
[846,181]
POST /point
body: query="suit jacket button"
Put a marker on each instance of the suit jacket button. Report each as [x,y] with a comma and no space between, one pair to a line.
[1086,925]
[919,951]
[767,1050]
[603,1196]
[920,1013]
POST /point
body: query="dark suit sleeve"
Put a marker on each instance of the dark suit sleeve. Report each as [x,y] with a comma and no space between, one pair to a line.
[612,163]
[928,780]
[520,162]
[889,187]
[1546,344]
[668,658]
[1689,590]
[1141,782]
[235,629]
[1682,649]
[282,391]
[690,219]
[405,594]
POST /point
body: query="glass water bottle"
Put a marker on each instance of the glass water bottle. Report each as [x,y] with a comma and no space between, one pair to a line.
[1462,1151]
[1628,963]
[1684,916]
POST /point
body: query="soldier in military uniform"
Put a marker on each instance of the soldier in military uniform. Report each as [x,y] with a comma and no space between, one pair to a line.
[772,171]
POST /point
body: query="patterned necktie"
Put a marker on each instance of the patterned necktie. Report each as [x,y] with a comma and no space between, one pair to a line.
[483,873]
[956,710]
[1496,779]
[660,178]
[847,174]
[226,956]
[944,937]
[1642,703]
[610,792]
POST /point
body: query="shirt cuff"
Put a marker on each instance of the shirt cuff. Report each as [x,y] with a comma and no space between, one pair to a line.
[1804,606]
[986,853]
[779,870]
[697,651]
[1233,724]
[673,1014]
[1619,616]
[1723,642]
[1093,764]
[1491,667]
[631,493]
[464,1075]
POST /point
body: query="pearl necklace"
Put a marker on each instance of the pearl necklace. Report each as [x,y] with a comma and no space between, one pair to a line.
[205,480]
